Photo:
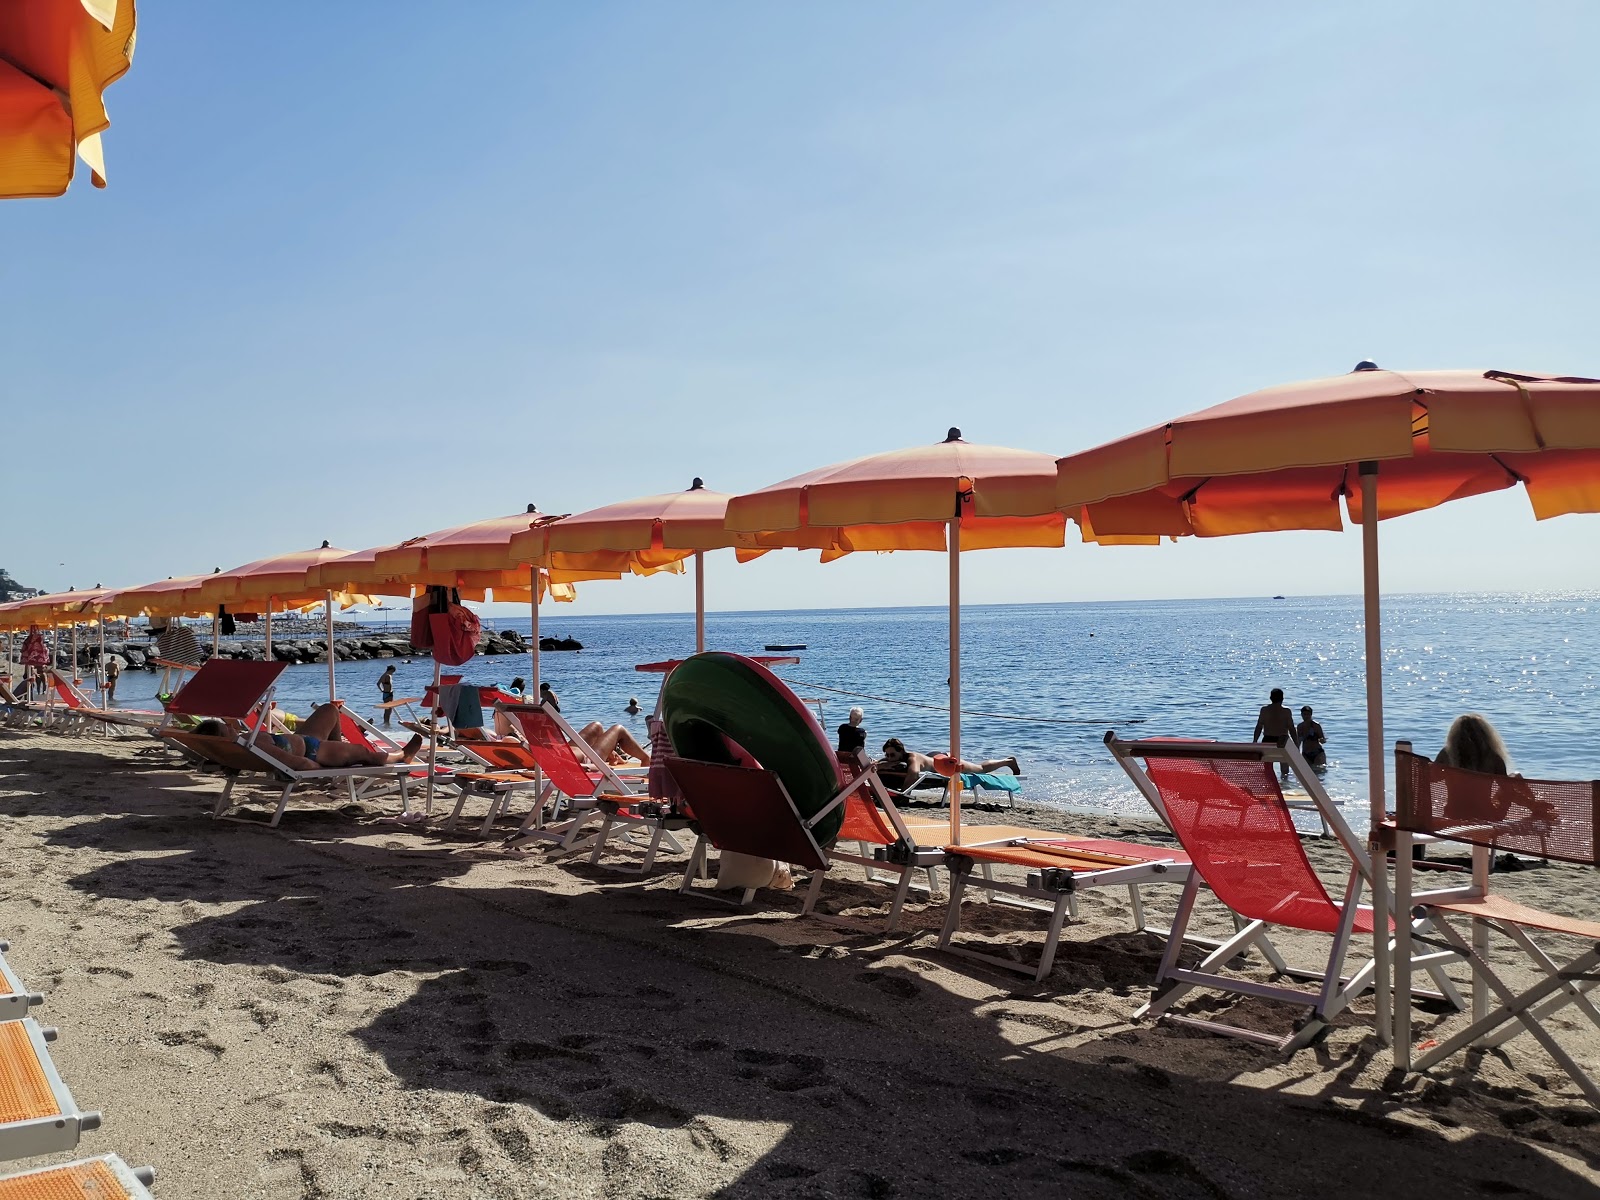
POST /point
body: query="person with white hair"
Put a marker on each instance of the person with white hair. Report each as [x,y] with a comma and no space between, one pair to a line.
[853,734]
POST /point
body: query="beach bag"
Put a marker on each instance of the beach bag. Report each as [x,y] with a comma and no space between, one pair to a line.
[455,635]
[34,652]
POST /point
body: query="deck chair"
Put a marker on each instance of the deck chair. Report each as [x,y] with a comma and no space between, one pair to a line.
[77,712]
[105,1177]
[37,1112]
[15,999]
[745,810]
[1223,802]
[573,775]
[242,691]
[1496,812]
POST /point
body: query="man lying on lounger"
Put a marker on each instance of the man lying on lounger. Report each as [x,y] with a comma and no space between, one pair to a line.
[899,766]
[315,745]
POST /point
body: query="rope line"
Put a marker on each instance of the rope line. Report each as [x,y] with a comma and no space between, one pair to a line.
[969,712]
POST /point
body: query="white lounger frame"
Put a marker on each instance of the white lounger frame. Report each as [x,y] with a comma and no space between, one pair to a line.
[1333,992]
[16,1000]
[58,1131]
[134,1181]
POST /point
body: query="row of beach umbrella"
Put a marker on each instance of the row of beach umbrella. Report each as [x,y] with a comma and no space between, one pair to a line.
[1373,444]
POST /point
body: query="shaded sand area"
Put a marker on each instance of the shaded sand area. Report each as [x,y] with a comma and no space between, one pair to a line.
[344,1008]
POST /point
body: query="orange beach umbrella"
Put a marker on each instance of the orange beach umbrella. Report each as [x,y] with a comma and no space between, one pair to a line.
[643,536]
[175,596]
[950,496]
[56,58]
[1385,442]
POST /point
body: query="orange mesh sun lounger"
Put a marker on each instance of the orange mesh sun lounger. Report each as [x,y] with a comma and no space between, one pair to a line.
[106,1177]
[37,1112]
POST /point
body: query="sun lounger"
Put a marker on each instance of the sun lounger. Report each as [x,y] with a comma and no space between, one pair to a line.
[75,711]
[574,776]
[37,1112]
[15,999]
[242,690]
[1546,819]
[1223,802]
[105,1177]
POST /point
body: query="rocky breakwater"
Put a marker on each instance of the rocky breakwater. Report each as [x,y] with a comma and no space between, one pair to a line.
[353,647]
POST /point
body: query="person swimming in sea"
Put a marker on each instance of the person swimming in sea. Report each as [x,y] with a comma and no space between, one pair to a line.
[1310,737]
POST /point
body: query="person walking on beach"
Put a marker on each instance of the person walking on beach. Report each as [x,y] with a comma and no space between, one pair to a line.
[386,688]
[1275,724]
[113,670]
[1310,737]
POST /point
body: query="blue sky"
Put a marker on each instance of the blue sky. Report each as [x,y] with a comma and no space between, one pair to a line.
[364,271]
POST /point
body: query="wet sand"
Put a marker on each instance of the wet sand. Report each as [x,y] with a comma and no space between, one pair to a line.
[347,1008]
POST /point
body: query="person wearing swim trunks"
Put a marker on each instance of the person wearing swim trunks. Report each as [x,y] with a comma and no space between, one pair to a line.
[316,743]
[900,766]
[1275,724]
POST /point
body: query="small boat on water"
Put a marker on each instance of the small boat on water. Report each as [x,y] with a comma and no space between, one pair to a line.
[779,646]
[1277,597]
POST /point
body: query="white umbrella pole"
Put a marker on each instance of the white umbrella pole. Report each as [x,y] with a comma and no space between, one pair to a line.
[433,739]
[1376,793]
[100,671]
[699,601]
[955,677]
[533,642]
[73,674]
[216,635]
[269,630]
[328,607]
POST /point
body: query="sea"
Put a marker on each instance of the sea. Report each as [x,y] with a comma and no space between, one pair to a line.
[1044,682]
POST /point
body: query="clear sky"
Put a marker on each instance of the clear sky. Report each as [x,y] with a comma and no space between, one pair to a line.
[363,270]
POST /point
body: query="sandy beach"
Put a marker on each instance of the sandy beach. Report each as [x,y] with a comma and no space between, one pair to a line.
[343,1007]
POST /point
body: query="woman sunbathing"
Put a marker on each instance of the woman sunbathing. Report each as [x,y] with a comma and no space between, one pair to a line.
[900,766]
[315,744]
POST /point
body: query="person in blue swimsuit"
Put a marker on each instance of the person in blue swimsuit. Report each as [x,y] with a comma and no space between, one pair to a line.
[316,743]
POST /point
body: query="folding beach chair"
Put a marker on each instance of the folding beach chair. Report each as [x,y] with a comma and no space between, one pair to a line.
[242,691]
[15,999]
[37,1112]
[1546,819]
[68,705]
[574,775]
[1223,802]
[105,1177]
[745,810]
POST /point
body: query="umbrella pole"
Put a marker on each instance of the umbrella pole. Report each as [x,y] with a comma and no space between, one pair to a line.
[954,785]
[1372,628]
[269,629]
[699,601]
[433,739]
[328,607]
[216,635]
[100,671]
[73,674]
[533,640]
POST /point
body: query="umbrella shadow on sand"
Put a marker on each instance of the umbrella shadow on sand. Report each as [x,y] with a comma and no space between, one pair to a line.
[738,1059]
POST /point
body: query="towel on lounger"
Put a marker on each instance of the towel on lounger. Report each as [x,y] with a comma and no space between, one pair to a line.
[993,781]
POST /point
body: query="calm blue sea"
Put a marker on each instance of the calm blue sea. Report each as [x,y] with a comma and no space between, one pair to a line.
[1531,662]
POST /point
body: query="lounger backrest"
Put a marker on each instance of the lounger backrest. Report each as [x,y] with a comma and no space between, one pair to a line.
[351,731]
[63,691]
[1231,817]
[223,751]
[862,820]
[503,756]
[747,811]
[226,688]
[1546,818]
[556,756]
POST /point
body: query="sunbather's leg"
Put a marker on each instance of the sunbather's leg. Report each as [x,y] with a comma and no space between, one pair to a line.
[990,766]
[322,723]
[607,742]
[348,754]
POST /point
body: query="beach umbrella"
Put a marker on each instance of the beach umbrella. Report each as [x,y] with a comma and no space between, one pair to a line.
[281,581]
[951,496]
[56,58]
[639,537]
[473,556]
[1386,443]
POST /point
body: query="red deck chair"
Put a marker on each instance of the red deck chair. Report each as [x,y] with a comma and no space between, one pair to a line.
[574,777]
[1542,818]
[1223,802]
[226,688]
[745,810]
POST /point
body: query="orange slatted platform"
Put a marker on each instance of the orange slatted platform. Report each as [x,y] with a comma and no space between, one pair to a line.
[103,1178]
[25,1091]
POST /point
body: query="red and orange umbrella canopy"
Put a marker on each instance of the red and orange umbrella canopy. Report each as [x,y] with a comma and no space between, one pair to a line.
[177,596]
[905,499]
[56,608]
[360,572]
[281,579]
[480,552]
[1283,457]
[640,536]
[56,58]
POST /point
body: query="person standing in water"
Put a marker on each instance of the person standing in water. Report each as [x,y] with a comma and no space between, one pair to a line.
[632,708]
[1275,724]
[1310,736]
[386,690]
[113,673]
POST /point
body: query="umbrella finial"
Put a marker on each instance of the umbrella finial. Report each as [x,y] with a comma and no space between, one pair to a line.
[954,435]
[324,543]
[697,485]
[1366,364]
[532,508]
[214,571]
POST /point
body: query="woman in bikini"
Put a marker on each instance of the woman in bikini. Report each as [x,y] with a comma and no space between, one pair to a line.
[315,743]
